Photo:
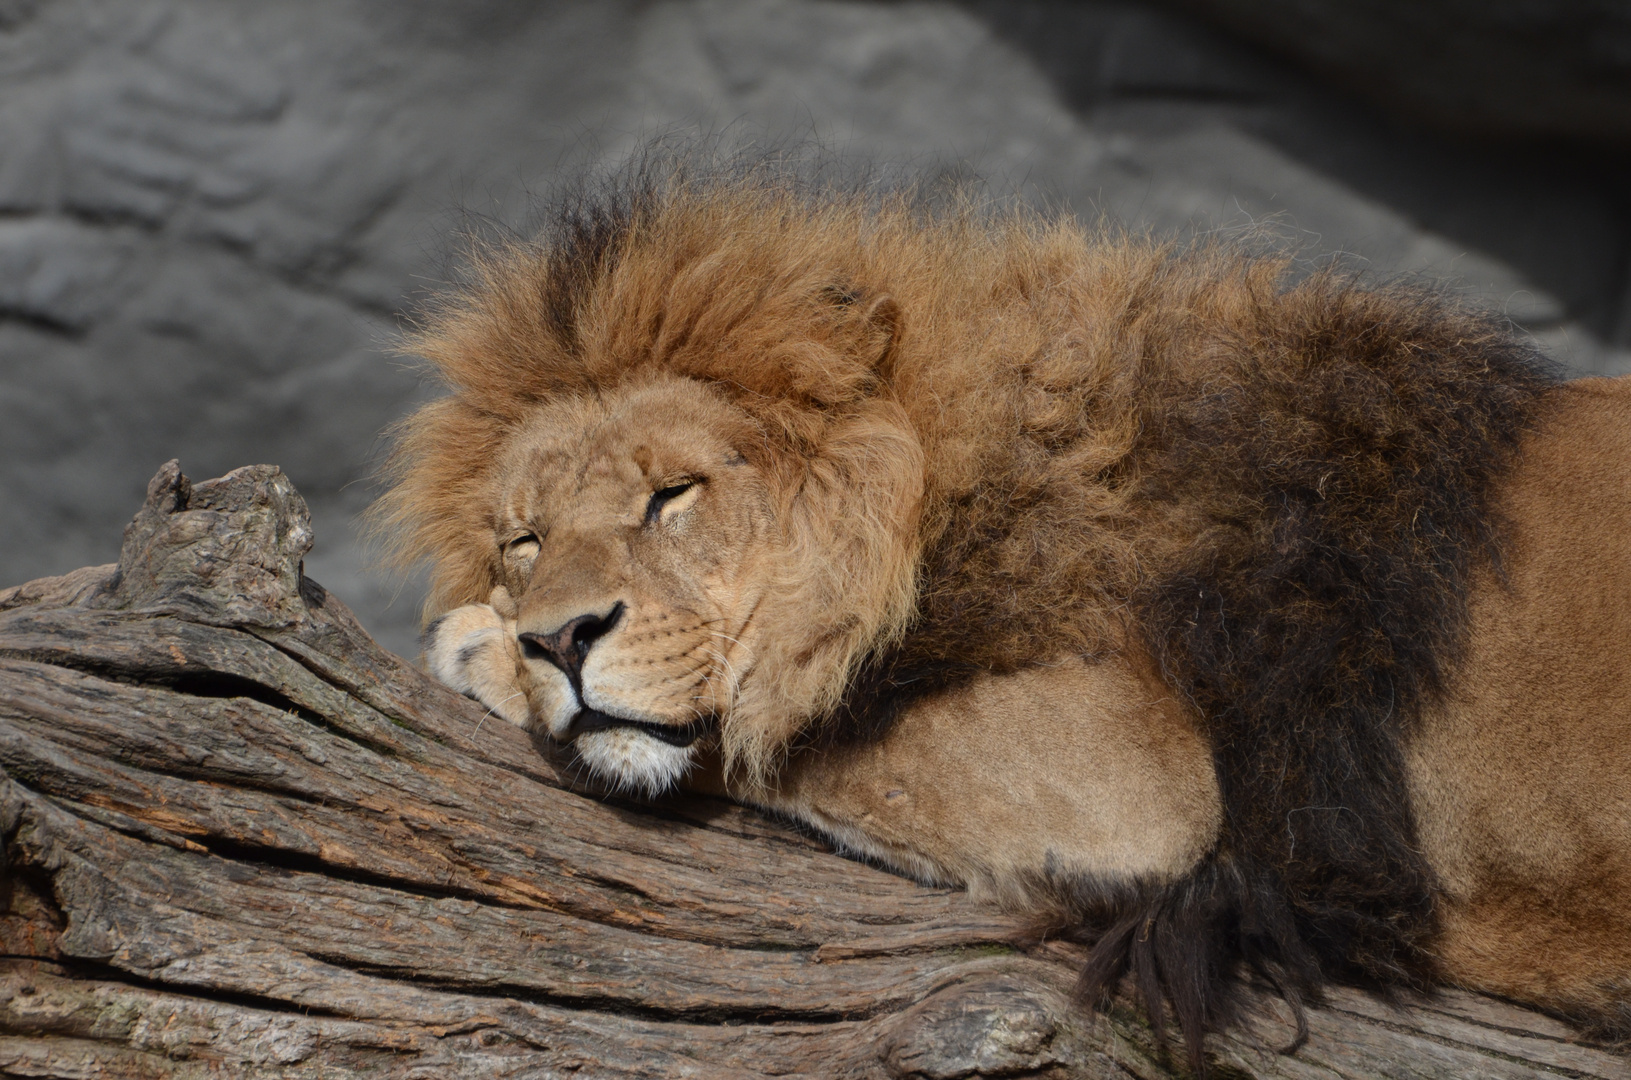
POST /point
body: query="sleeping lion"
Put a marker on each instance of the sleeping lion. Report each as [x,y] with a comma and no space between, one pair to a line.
[1243,617]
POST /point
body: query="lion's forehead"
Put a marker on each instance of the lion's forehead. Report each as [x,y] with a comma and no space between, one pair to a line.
[604,473]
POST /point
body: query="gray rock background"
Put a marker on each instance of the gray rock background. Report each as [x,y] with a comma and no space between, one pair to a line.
[214,212]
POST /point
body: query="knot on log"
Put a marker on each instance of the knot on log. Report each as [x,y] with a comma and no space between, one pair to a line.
[226,552]
[987,1027]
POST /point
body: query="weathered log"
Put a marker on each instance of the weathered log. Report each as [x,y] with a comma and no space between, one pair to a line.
[241,839]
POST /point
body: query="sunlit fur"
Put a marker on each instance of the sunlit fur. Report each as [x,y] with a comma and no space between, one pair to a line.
[990,439]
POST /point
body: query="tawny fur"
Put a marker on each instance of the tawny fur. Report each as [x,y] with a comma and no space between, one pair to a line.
[992,441]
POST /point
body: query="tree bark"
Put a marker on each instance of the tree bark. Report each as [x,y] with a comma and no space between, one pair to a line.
[240,839]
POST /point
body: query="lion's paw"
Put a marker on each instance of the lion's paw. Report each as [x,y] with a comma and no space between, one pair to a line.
[473,650]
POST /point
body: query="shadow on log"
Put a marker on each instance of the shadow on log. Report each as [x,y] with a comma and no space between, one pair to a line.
[241,839]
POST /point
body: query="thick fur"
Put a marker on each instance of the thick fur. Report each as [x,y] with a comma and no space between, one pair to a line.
[984,442]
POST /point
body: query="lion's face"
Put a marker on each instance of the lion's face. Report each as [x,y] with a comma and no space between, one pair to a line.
[636,542]
[669,541]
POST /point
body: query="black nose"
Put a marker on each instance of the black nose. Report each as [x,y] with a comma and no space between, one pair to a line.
[567,647]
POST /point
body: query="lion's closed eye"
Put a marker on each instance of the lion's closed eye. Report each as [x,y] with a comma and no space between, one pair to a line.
[519,553]
[523,546]
[676,498]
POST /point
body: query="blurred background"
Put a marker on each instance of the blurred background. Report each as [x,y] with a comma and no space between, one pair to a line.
[214,212]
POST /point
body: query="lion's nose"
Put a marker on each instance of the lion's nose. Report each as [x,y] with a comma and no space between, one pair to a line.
[568,646]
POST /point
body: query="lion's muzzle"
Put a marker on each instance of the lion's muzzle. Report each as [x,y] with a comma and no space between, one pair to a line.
[567,648]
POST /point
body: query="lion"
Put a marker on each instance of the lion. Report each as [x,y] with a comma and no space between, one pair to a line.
[1241,617]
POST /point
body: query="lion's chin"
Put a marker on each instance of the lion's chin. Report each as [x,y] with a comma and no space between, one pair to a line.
[633,761]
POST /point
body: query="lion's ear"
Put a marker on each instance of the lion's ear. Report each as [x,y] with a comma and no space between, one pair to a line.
[882,318]
[871,326]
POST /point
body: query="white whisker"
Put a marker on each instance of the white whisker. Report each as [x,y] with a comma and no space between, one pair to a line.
[731,683]
[734,641]
[489,712]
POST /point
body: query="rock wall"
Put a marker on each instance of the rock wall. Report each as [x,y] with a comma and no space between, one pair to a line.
[231,204]
[1500,67]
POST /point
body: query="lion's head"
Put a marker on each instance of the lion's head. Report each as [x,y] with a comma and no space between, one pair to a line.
[679,471]
[651,577]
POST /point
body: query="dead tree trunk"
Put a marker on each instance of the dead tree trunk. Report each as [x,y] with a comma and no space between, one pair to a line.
[241,839]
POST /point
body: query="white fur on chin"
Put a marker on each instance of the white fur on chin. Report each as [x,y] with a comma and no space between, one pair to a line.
[633,761]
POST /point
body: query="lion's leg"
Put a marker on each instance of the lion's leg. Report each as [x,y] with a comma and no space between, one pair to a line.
[1070,769]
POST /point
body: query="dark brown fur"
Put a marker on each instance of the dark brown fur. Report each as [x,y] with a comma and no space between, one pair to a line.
[1346,471]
